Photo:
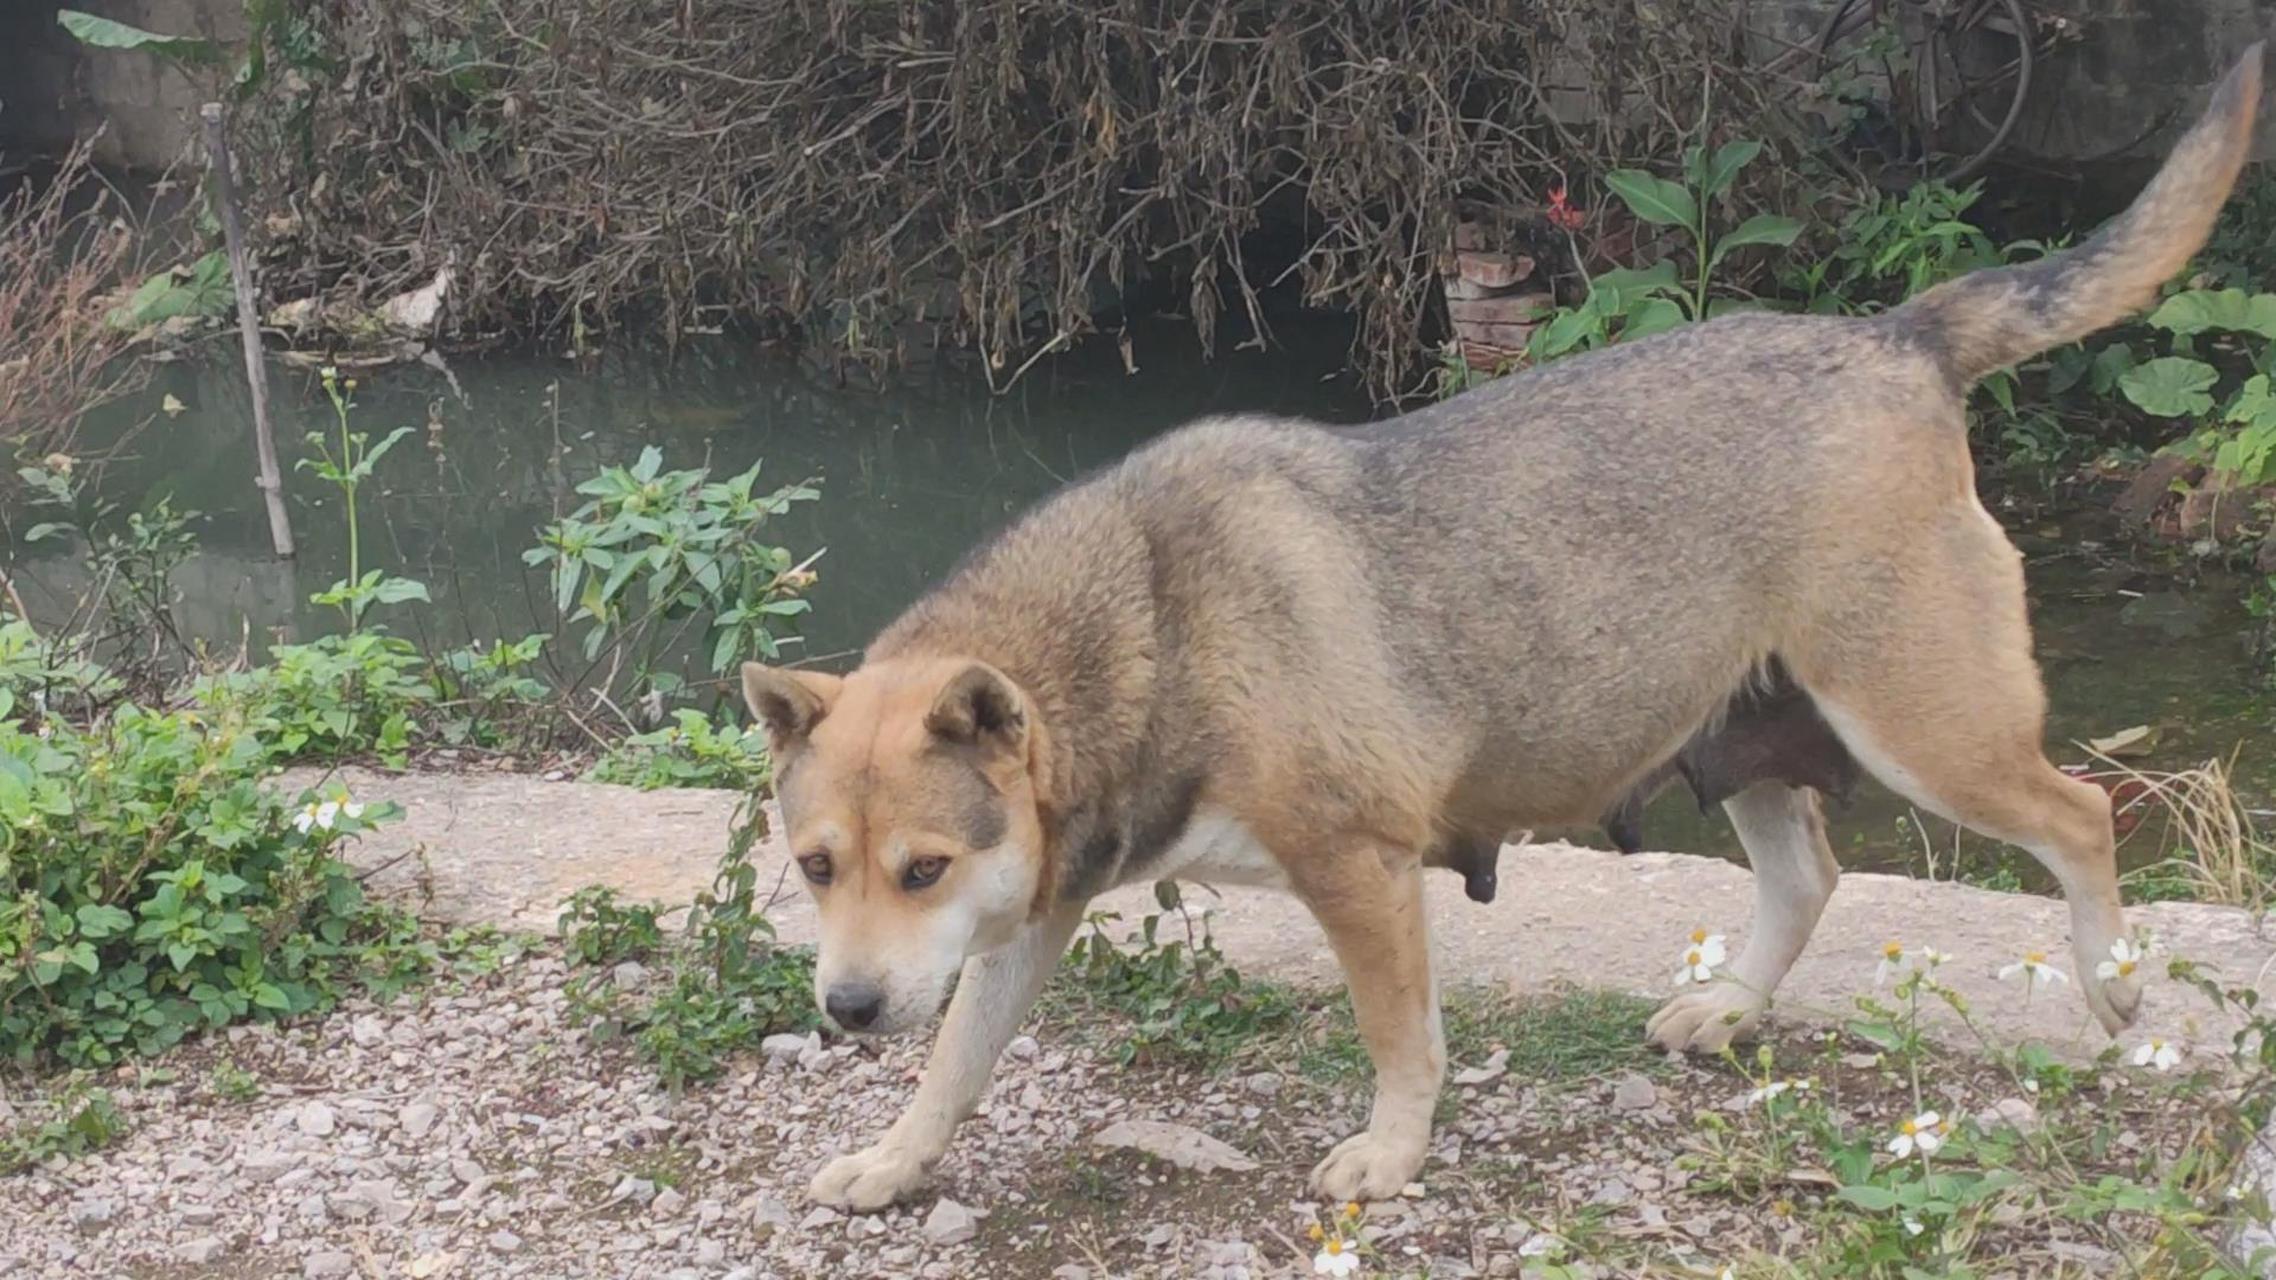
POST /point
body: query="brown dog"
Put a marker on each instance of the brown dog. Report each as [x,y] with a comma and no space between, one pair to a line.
[1263,652]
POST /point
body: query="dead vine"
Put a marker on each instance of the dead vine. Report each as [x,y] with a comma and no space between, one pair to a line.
[60,257]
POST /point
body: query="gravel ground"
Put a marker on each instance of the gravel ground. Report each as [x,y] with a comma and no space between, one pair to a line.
[471,1131]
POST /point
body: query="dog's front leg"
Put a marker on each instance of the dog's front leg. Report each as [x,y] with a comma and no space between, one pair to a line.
[992,998]
[1371,908]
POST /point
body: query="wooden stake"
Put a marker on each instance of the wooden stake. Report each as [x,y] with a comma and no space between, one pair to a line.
[248,325]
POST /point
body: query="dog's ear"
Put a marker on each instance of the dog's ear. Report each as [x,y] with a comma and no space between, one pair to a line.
[788,703]
[980,707]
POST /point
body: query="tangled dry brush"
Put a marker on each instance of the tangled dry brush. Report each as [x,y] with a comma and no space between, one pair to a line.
[1010,168]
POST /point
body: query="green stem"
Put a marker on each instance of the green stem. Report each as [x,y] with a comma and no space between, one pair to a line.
[348,488]
[1699,235]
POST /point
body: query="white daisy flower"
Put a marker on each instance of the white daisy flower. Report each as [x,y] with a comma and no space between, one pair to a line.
[1892,958]
[1335,1259]
[1773,1089]
[352,808]
[2125,957]
[1913,1227]
[2157,1053]
[1700,960]
[1923,1133]
[314,815]
[2034,970]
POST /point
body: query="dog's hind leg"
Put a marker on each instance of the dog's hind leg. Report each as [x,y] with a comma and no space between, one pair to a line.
[1932,687]
[1784,831]
[1371,909]
[992,998]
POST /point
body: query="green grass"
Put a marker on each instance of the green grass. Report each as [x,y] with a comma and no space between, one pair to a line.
[1572,1035]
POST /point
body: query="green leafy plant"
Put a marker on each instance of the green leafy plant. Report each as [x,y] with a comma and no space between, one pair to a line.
[1689,205]
[151,887]
[1181,1000]
[728,984]
[2232,403]
[107,33]
[123,624]
[689,752]
[348,467]
[481,690]
[80,1119]
[599,928]
[202,288]
[656,554]
[336,696]
[1896,247]
[1628,303]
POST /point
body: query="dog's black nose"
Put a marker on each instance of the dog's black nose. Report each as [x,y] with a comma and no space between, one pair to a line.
[853,1005]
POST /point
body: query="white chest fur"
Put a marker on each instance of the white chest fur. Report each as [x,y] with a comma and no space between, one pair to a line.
[1216,849]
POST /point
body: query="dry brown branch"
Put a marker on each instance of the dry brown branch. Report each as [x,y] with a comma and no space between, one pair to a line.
[1007,169]
[59,355]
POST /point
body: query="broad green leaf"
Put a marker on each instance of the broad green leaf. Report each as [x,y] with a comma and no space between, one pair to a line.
[97,921]
[397,590]
[1869,1198]
[2200,310]
[1762,228]
[2171,386]
[1660,275]
[1655,200]
[1650,316]
[105,33]
[2255,403]
[1724,168]
[2110,364]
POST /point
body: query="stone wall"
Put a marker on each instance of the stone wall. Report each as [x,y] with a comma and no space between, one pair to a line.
[52,90]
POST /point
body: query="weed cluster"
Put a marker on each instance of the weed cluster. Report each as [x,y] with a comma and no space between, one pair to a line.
[725,984]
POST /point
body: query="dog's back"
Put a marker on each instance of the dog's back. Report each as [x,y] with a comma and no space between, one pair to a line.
[1504,609]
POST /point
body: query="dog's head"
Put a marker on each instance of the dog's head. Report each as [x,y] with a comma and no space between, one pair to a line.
[910,803]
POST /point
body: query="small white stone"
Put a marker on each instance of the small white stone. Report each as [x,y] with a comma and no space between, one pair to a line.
[950,1223]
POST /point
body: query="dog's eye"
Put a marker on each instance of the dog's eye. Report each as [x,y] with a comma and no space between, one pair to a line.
[922,872]
[816,866]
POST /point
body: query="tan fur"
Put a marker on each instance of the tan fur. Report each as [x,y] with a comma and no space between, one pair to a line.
[1507,610]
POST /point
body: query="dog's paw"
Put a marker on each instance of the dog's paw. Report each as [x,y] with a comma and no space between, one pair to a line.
[869,1179]
[2116,1002]
[1366,1166]
[1705,1020]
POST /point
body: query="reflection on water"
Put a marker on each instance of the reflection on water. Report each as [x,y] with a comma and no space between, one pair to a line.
[911,477]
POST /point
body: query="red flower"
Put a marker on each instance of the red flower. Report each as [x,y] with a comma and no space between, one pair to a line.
[1561,214]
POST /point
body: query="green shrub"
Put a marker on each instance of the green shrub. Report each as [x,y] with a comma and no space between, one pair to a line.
[690,752]
[149,886]
[335,696]
[656,552]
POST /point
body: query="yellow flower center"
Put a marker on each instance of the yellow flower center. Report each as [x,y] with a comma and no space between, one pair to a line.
[1908,1128]
[1691,957]
[2125,968]
[1893,951]
[1335,1247]
[1698,936]
[1316,1231]
[2034,957]
[1351,1210]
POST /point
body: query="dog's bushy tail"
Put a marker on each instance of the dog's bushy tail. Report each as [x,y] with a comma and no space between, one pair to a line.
[1991,319]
